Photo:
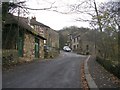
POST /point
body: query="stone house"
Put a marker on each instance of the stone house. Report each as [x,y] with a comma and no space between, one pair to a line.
[76,43]
[80,44]
[20,40]
[52,42]
[39,27]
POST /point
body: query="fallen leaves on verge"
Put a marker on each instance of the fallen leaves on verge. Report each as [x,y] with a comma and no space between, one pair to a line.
[83,79]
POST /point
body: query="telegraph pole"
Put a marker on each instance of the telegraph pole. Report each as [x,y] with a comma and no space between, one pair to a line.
[18,30]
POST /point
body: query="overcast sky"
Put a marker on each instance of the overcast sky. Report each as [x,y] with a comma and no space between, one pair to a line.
[57,20]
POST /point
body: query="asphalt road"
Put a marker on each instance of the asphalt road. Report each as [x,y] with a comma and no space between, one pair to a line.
[62,72]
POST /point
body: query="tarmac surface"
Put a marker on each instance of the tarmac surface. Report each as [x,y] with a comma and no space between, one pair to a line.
[62,72]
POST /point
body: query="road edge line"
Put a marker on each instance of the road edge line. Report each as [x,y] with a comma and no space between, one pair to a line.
[88,77]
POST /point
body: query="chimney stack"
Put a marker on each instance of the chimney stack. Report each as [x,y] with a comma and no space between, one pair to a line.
[28,20]
[34,18]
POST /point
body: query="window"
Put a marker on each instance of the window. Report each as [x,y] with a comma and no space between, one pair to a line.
[77,45]
[74,46]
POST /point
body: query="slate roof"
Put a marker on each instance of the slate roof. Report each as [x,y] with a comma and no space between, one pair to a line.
[74,35]
[23,22]
[34,22]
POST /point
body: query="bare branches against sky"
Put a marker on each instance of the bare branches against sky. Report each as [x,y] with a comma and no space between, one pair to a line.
[61,13]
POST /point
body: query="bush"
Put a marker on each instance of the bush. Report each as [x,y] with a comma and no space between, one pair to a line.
[9,58]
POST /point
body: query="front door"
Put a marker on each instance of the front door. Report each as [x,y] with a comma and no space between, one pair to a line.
[36,47]
[20,44]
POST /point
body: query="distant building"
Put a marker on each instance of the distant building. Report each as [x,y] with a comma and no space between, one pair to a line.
[75,42]
[78,44]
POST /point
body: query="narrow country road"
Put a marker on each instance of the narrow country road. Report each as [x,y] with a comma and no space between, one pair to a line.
[62,72]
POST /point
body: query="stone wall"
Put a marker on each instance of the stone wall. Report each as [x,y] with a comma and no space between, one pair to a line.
[28,48]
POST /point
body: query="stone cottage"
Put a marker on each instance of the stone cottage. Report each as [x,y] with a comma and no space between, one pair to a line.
[21,39]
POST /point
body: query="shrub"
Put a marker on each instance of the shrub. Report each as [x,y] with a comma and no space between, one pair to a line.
[9,58]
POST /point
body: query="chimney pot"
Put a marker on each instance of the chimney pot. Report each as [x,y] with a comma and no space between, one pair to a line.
[34,18]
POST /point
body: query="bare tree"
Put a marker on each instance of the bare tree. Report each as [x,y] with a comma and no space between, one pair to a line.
[104,18]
